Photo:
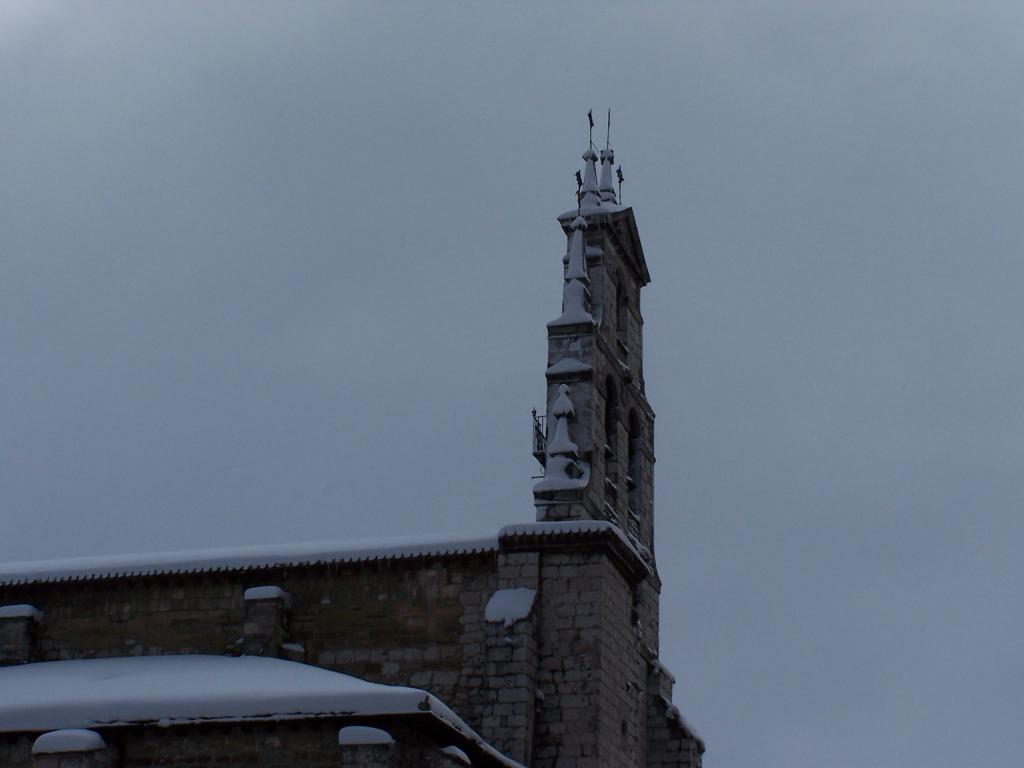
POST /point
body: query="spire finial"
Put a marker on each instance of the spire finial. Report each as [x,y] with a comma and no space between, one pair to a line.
[591,192]
[576,263]
[607,185]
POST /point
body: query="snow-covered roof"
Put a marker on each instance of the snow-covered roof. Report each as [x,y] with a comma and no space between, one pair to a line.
[288,555]
[243,558]
[172,690]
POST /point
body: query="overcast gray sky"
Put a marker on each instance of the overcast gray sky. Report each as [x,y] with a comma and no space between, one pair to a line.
[275,272]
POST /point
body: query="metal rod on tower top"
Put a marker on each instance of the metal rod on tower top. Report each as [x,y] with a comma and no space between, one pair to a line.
[608,135]
[590,119]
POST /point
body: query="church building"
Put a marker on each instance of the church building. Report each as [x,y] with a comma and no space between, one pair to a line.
[535,646]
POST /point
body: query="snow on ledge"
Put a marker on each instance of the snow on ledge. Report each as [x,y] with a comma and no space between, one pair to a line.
[68,740]
[267,593]
[20,612]
[508,606]
[558,528]
[569,527]
[566,366]
[674,715]
[590,210]
[359,735]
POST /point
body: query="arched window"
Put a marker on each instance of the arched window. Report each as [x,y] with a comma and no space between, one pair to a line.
[611,417]
[621,313]
[634,469]
[611,449]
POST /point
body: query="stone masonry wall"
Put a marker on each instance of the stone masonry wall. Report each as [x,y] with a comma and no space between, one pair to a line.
[505,696]
[17,639]
[16,750]
[591,712]
[563,687]
[402,622]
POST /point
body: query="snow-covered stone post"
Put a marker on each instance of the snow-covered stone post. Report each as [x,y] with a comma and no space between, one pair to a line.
[71,748]
[366,747]
[18,633]
[450,757]
[265,629]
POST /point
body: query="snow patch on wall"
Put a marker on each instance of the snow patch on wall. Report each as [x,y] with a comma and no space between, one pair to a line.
[509,605]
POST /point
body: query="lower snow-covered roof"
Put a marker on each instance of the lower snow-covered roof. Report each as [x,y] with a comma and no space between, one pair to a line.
[171,690]
[288,555]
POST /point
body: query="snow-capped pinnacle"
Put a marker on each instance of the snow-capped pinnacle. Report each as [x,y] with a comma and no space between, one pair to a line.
[575,300]
[562,410]
[575,292]
[563,405]
[576,268]
[607,185]
[591,194]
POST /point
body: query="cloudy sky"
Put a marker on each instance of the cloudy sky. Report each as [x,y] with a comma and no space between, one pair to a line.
[276,272]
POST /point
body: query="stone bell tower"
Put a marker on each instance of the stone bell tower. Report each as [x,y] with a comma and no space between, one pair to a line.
[596,442]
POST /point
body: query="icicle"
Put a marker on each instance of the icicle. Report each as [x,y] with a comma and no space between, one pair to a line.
[577,264]
[591,193]
[607,186]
